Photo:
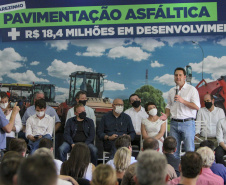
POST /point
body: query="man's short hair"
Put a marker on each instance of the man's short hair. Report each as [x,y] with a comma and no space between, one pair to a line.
[134,94]
[207,155]
[77,106]
[151,143]
[45,143]
[169,144]
[8,168]
[123,141]
[38,92]
[3,95]
[40,103]
[18,145]
[79,93]
[151,168]
[191,164]
[147,104]
[44,152]
[207,143]
[180,69]
[37,170]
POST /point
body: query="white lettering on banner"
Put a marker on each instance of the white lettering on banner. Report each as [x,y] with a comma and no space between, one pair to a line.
[12,7]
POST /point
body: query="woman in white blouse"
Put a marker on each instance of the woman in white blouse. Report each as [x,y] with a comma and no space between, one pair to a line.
[4,104]
[153,126]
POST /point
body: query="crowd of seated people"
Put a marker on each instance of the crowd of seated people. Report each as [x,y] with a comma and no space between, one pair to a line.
[156,163]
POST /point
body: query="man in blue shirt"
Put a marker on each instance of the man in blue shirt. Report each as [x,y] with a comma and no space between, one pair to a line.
[114,124]
[6,126]
[79,129]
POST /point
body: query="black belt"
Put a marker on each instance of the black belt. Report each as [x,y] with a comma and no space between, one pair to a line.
[183,120]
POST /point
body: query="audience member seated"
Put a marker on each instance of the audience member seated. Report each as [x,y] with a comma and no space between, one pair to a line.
[78,165]
[137,113]
[221,139]
[153,126]
[38,170]
[218,169]
[151,168]
[18,145]
[191,168]
[7,109]
[104,175]
[62,179]
[8,167]
[32,111]
[148,144]
[122,161]
[113,124]
[79,129]
[169,148]
[210,115]
[207,176]
[123,141]
[38,126]
[80,97]
[48,144]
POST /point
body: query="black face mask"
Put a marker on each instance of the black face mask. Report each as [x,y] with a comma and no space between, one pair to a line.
[208,105]
[82,115]
[83,102]
[136,104]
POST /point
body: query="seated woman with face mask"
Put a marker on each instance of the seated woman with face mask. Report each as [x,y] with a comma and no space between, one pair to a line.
[4,104]
[153,126]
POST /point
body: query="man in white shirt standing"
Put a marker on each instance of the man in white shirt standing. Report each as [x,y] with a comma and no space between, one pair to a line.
[183,103]
[210,115]
[137,113]
[38,126]
[80,97]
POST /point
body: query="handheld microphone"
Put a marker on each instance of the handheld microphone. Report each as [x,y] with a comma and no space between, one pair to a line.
[177,89]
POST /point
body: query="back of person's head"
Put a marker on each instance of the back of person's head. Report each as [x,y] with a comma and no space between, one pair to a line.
[151,168]
[169,144]
[18,145]
[122,159]
[78,161]
[40,103]
[45,143]
[8,167]
[191,164]
[104,175]
[123,141]
[207,155]
[150,143]
[37,170]
[45,152]
[208,143]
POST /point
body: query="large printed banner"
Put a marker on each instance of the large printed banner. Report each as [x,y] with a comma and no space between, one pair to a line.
[60,20]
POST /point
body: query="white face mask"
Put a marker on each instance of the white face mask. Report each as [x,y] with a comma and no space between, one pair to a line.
[153,112]
[40,114]
[4,105]
[119,109]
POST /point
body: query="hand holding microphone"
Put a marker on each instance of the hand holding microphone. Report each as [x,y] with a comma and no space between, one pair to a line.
[176,94]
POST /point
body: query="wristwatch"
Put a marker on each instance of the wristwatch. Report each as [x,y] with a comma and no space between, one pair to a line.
[107,137]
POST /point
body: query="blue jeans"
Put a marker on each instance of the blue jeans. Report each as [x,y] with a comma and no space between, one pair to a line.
[183,131]
[34,145]
[66,148]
